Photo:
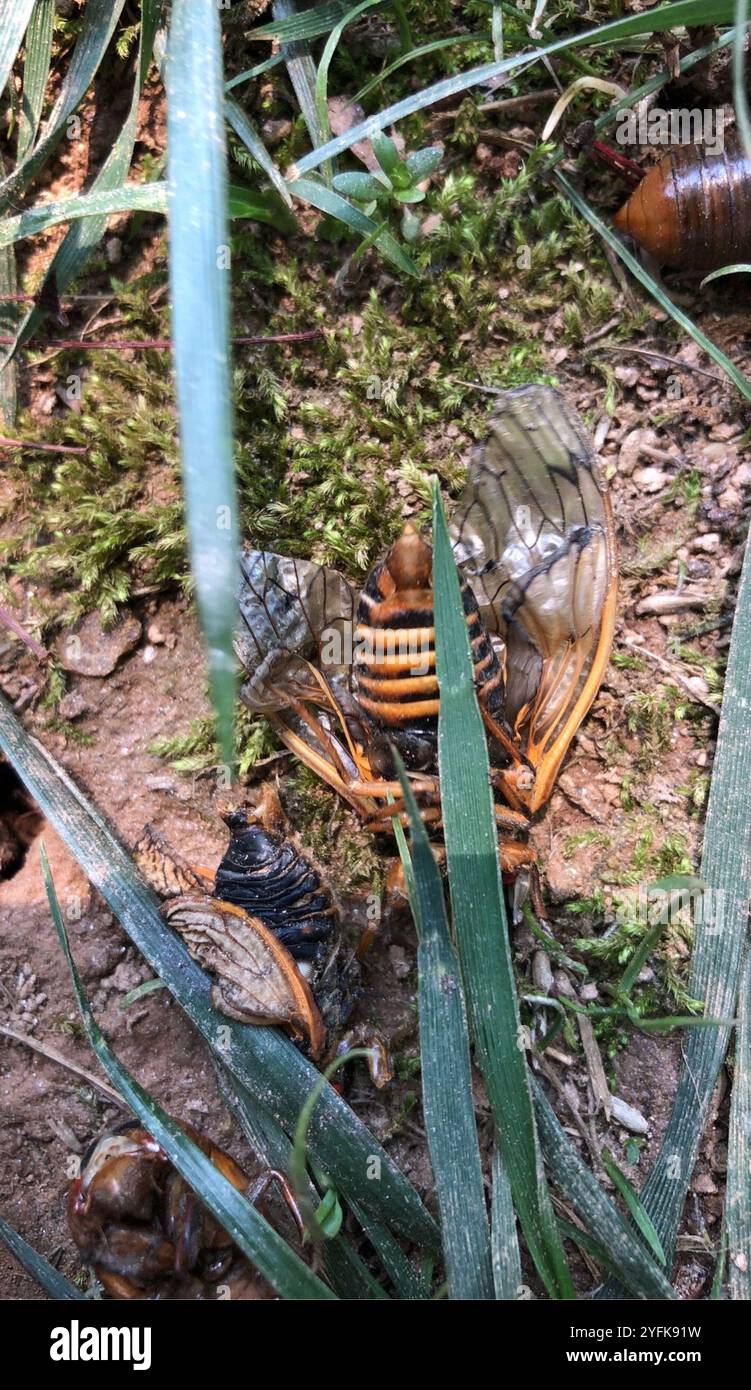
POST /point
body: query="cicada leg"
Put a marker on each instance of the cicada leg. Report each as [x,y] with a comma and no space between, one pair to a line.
[261,1185]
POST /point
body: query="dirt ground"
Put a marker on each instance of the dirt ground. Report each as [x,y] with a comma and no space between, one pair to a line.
[627,808]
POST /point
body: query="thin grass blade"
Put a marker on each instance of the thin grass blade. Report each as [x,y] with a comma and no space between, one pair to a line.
[738,1207]
[8,375]
[346,1273]
[12,29]
[98,24]
[261,1059]
[655,20]
[83,238]
[245,130]
[447,1095]
[720,936]
[132,197]
[507,1265]
[50,1279]
[35,73]
[300,64]
[199,283]
[479,916]
[332,203]
[603,1221]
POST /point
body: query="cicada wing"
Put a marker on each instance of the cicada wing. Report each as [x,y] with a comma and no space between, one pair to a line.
[292,613]
[534,535]
[257,979]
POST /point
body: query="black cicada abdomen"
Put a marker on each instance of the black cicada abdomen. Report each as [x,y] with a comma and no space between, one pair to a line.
[265,873]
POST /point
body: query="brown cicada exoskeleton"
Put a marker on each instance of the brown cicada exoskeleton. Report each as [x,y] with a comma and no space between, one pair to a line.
[146,1233]
[344,676]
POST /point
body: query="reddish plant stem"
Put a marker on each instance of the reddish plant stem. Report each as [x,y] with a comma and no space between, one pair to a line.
[157,344]
[44,448]
[10,622]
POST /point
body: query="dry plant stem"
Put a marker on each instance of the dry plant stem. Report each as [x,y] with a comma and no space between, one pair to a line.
[53,1055]
[10,622]
[671,670]
[155,344]
[43,448]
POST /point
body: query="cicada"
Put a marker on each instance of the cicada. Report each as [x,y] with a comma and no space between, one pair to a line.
[144,1231]
[345,676]
[265,927]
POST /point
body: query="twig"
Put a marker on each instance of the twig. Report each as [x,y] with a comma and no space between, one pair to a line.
[7,619]
[53,1055]
[670,669]
[155,344]
[669,361]
[508,104]
[43,448]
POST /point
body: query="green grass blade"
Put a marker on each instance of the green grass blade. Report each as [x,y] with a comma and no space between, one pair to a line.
[407,1282]
[133,197]
[8,382]
[246,131]
[35,73]
[656,20]
[261,206]
[84,237]
[264,1247]
[262,1060]
[330,47]
[447,1096]
[300,66]
[740,92]
[12,29]
[738,1207]
[507,1266]
[479,916]
[289,27]
[421,52]
[603,1221]
[720,935]
[50,1279]
[332,203]
[199,282]
[98,23]
[630,1197]
[613,241]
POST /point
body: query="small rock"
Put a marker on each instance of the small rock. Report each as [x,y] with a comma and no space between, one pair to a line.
[155,635]
[651,479]
[160,783]
[628,1116]
[703,1184]
[542,973]
[87,650]
[114,250]
[400,965]
[73,705]
[148,654]
[709,543]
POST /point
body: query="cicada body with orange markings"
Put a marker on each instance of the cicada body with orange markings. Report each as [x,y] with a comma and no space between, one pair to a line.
[345,675]
[692,211]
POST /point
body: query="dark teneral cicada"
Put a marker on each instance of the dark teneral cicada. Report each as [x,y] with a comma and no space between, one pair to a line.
[344,675]
[265,926]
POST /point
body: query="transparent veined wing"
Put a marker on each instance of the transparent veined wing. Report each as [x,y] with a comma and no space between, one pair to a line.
[292,613]
[533,533]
